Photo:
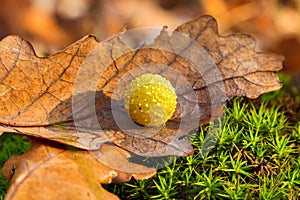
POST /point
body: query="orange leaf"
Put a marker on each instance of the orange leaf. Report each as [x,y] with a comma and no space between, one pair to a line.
[50,171]
[76,96]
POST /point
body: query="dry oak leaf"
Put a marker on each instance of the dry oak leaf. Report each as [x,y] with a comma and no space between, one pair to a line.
[48,171]
[36,94]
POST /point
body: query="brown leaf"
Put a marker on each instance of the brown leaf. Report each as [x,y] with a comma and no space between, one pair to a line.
[54,97]
[244,71]
[31,86]
[48,171]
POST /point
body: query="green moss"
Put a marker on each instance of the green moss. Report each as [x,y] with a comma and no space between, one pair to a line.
[256,157]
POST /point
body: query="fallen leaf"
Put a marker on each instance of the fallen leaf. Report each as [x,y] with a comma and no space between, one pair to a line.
[38,95]
[48,171]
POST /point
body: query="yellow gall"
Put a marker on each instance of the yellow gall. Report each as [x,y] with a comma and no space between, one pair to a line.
[150,100]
